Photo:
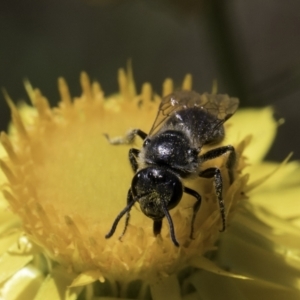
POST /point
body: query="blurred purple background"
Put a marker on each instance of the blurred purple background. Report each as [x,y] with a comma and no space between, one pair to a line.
[251,47]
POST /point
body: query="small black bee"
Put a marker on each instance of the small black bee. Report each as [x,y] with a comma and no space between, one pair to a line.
[186,121]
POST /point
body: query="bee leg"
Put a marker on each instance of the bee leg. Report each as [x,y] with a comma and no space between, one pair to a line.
[216,173]
[126,210]
[171,226]
[157,224]
[218,152]
[195,207]
[128,138]
[133,153]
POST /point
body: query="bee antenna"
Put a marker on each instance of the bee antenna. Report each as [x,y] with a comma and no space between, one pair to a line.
[118,218]
[170,221]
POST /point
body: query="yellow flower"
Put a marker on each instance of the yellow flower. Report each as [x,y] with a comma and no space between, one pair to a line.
[66,184]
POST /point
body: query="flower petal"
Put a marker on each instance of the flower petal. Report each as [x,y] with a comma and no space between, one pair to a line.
[260,124]
[56,286]
[24,284]
[211,286]
[167,288]
[11,263]
[263,248]
[86,278]
[204,263]
[280,193]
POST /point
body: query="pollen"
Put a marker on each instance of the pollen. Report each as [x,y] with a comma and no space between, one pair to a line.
[67,184]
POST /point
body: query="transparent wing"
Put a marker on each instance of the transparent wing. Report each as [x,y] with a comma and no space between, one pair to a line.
[220,106]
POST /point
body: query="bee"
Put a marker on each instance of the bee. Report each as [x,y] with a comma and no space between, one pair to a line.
[171,152]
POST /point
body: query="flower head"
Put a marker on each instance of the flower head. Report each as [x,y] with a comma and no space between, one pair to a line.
[67,184]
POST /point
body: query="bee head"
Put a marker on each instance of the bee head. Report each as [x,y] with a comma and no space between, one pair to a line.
[157,189]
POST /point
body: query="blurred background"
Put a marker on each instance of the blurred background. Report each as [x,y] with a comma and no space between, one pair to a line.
[251,47]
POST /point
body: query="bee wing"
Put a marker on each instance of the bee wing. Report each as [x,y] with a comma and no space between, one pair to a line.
[220,106]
